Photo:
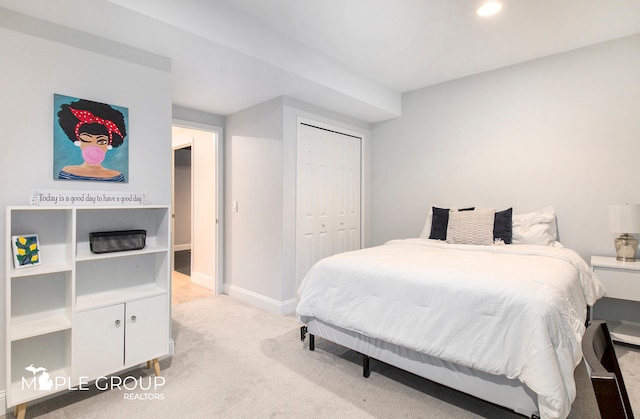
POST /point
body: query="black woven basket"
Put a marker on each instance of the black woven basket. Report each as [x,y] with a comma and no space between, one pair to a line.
[117,241]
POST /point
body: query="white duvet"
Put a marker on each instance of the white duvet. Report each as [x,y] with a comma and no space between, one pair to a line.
[514,310]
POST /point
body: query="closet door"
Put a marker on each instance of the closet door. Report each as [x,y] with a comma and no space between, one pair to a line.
[346,194]
[328,195]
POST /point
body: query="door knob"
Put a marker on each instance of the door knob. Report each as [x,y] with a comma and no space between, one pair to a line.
[133,318]
[117,323]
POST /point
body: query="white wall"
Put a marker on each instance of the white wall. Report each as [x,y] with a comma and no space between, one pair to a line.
[253,179]
[562,130]
[199,117]
[32,70]
[260,160]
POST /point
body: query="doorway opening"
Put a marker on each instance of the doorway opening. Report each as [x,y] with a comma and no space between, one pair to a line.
[182,210]
[195,212]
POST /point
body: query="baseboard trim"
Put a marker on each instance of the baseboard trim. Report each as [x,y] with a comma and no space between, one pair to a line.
[172,347]
[261,301]
[288,306]
[206,281]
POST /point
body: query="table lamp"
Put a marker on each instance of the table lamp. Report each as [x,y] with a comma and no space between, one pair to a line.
[625,219]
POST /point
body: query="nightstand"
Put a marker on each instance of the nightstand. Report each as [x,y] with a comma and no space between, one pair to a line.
[622,282]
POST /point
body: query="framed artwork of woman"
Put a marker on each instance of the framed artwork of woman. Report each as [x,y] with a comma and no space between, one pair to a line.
[90,140]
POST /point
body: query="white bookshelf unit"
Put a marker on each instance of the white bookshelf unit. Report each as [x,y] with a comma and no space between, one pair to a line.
[80,315]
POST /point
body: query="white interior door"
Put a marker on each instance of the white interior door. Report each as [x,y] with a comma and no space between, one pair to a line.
[328,195]
[204,218]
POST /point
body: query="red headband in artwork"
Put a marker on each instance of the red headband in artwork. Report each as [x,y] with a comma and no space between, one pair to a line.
[86,117]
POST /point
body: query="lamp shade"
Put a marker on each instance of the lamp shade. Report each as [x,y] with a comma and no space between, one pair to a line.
[624,218]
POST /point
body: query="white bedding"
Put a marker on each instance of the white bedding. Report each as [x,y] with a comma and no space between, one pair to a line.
[515,310]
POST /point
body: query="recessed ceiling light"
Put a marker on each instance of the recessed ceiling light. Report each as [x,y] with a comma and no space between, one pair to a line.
[489,8]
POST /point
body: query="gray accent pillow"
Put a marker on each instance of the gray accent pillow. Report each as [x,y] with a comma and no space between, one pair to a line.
[471,227]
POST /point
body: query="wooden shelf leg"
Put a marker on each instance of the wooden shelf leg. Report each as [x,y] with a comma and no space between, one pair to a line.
[148,364]
[20,411]
[156,365]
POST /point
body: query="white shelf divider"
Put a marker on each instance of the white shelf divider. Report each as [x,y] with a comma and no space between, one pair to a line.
[84,254]
[44,269]
[39,323]
[121,295]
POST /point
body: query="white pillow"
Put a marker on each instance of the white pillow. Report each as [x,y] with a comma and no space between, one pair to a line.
[426,230]
[471,227]
[538,227]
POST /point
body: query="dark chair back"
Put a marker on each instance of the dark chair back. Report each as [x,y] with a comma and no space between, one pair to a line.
[604,370]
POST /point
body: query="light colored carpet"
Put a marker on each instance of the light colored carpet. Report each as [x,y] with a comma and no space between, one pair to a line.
[236,361]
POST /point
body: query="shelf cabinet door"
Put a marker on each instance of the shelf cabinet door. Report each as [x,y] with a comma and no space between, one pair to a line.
[98,337]
[147,334]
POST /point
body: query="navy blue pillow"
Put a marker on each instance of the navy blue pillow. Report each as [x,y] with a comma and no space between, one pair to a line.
[440,222]
[503,226]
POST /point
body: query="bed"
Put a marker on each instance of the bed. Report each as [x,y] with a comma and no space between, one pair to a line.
[501,319]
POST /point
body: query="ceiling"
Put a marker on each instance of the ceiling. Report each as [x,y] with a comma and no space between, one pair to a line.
[356,57]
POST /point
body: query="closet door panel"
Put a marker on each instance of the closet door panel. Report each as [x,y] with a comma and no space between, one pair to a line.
[346,194]
[328,195]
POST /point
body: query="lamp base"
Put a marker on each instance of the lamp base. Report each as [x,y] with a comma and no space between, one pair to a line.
[626,247]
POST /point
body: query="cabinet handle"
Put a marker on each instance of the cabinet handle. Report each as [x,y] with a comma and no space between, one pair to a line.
[117,323]
[133,318]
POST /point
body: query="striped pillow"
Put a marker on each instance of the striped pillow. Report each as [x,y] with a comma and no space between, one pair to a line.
[471,227]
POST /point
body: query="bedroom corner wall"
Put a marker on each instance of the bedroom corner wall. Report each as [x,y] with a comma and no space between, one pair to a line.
[260,175]
[253,228]
[33,69]
[562,131]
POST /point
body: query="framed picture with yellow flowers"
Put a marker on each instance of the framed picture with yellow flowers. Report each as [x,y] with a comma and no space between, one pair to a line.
[26,250]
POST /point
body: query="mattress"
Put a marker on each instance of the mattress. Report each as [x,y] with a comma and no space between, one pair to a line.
[516,311]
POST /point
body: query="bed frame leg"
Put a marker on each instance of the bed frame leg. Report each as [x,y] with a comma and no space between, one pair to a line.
[366,371]
[312,338]
[586,322]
